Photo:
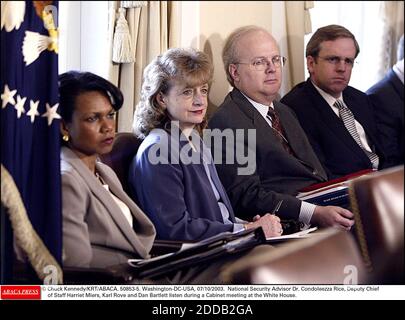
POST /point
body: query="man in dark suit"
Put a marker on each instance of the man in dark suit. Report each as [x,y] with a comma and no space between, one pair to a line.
[337,118]
[284,161]
[387,97]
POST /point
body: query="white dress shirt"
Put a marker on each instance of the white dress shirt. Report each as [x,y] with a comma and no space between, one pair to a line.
[124,208]
[398,68]
[360,130]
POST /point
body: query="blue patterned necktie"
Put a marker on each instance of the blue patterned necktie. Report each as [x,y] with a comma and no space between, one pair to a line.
[348,120]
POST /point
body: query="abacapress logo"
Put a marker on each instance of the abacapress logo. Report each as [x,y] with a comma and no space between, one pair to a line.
[20,292]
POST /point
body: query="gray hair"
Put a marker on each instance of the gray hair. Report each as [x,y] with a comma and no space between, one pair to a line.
[229,52]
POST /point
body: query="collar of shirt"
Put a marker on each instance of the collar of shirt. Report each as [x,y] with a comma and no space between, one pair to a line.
[261,108]
[329,99]
[398,68]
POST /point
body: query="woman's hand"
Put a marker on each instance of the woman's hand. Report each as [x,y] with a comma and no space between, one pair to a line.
[269,223]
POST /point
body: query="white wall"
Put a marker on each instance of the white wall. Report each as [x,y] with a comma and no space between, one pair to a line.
[363,19]
[215,20]
[69,36]
[94,41]
[206,24]
[83,36]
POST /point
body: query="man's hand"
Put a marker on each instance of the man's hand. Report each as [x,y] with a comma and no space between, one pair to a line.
[331,216]
[269,223]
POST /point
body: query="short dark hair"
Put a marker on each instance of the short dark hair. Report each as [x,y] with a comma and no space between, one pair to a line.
[73,83]
[328,33]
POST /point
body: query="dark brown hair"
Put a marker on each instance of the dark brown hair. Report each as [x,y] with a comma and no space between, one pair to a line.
[328,33]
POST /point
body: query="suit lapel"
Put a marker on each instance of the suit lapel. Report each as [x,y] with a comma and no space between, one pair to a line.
[120,220]
[295,141]
[105,198]
[247,108]
[332,121]
[265,135]
[217,182]
[291,135]
[206,154]
[396,83]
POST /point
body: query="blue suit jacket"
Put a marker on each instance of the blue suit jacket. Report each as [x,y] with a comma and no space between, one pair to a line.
[387,97]
[332,142]
[178,198]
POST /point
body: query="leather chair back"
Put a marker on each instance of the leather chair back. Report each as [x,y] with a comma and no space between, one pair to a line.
[119,159]
[328,256]
[377,201]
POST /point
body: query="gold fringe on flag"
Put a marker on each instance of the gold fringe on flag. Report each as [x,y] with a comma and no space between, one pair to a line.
[26,237]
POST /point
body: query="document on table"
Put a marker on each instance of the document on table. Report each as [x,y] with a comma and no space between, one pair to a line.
[297,235]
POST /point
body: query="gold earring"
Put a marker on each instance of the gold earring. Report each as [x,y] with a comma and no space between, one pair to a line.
[65,137]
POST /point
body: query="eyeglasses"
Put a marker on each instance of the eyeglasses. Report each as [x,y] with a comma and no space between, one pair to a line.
[335,60]
[260,64]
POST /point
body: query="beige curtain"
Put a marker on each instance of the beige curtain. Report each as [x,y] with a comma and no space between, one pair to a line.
[392,13]
[298,23]
[153,29]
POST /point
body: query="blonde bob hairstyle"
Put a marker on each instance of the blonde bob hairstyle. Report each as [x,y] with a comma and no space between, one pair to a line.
[187,66]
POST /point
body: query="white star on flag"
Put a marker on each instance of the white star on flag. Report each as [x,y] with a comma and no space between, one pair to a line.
[33,110]
[8,96]
[51,113]
[19,106]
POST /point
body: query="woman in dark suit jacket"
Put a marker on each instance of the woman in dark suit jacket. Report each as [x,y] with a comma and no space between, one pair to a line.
[102,226]
[173,176]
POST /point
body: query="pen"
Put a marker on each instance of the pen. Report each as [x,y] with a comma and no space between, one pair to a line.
[277,207]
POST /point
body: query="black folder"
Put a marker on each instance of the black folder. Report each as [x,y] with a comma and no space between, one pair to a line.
[221,245]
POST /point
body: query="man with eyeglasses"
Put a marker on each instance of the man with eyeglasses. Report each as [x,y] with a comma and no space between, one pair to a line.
[338,119]
[284,159]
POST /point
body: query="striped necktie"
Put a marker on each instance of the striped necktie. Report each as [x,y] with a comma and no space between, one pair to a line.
[348,120]
[278,129]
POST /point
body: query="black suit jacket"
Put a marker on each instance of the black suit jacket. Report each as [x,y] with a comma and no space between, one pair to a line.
[277,175]
[332,142]
[387,97]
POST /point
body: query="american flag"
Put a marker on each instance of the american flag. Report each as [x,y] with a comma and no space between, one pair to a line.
[30,138]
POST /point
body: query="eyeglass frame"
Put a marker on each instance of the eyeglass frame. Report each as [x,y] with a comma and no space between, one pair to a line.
[348,61]
[278,64]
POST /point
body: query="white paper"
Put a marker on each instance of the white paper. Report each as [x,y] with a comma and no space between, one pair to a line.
[300,234]
[138,262]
